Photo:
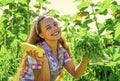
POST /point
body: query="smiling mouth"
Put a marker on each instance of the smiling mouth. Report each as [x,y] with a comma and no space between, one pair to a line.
[56,33]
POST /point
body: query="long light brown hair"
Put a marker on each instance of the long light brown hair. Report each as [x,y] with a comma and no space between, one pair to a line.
[34,38]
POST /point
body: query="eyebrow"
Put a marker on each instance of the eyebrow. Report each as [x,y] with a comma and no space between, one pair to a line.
[49,24]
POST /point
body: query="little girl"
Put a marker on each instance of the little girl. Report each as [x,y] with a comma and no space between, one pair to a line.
[46,34]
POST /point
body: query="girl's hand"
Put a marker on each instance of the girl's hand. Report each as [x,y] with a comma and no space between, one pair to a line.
[34,54]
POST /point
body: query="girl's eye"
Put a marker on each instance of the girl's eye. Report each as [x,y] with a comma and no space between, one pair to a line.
[55,24]
[48,28]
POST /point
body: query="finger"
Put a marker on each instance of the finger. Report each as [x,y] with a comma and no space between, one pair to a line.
[44,57]
[28,52]
[35,55]
[31,53]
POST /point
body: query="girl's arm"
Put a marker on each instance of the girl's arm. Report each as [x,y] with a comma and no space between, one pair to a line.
[42,74]
[78,70]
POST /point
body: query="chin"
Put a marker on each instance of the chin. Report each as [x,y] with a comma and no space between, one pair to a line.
[56,39]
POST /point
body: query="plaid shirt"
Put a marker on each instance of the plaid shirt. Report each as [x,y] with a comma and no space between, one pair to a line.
[55,64]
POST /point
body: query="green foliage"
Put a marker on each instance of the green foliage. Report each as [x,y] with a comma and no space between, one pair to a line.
[107,32]
[90,45]
[105,5]
[117,34]
[5,2]
[15,24]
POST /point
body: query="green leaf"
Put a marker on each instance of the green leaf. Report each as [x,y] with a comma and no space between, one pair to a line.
[76,0]
[117,33]
[5,2]
[44,1]
[114,3]
[105,12]
[109,24]
[3,49]
[83,5]
[22,36]
[111,64]
[47,2]
[114,6]
[101,28]
[87,21]
[53,12]
[113,77]
[37,6]
[116,57]
[99,4]
[22,1]
[10,34]
[28,1]
[116,42]
[1,23]
[8,12]
[39,0]
[106,5]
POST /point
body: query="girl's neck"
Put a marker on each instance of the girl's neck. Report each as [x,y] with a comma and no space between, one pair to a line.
[52,44]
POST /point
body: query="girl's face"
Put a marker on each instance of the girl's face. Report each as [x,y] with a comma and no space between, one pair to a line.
[50,29]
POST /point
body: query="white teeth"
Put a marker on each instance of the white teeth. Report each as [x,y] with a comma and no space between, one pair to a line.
[56,33]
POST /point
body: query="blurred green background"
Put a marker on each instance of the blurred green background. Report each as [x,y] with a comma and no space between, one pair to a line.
[102,18]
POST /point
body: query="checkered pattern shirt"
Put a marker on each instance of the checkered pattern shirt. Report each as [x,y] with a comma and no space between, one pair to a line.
[55,64]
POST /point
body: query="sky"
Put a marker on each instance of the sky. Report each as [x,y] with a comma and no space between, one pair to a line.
[68,6]
[64,6]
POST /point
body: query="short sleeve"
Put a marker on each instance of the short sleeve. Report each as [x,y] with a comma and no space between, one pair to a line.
[66,56]
[33,64]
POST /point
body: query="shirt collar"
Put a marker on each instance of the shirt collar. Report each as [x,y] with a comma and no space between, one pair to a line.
[45,46]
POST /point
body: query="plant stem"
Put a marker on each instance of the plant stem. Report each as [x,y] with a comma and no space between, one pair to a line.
[95,18]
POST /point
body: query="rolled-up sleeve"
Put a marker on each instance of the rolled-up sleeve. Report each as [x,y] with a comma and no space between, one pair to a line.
[66,56]
[33,64]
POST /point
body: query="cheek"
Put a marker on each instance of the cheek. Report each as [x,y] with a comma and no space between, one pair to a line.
[47,34]
[60,29]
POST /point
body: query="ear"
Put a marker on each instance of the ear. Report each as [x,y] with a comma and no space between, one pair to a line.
[41,35]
